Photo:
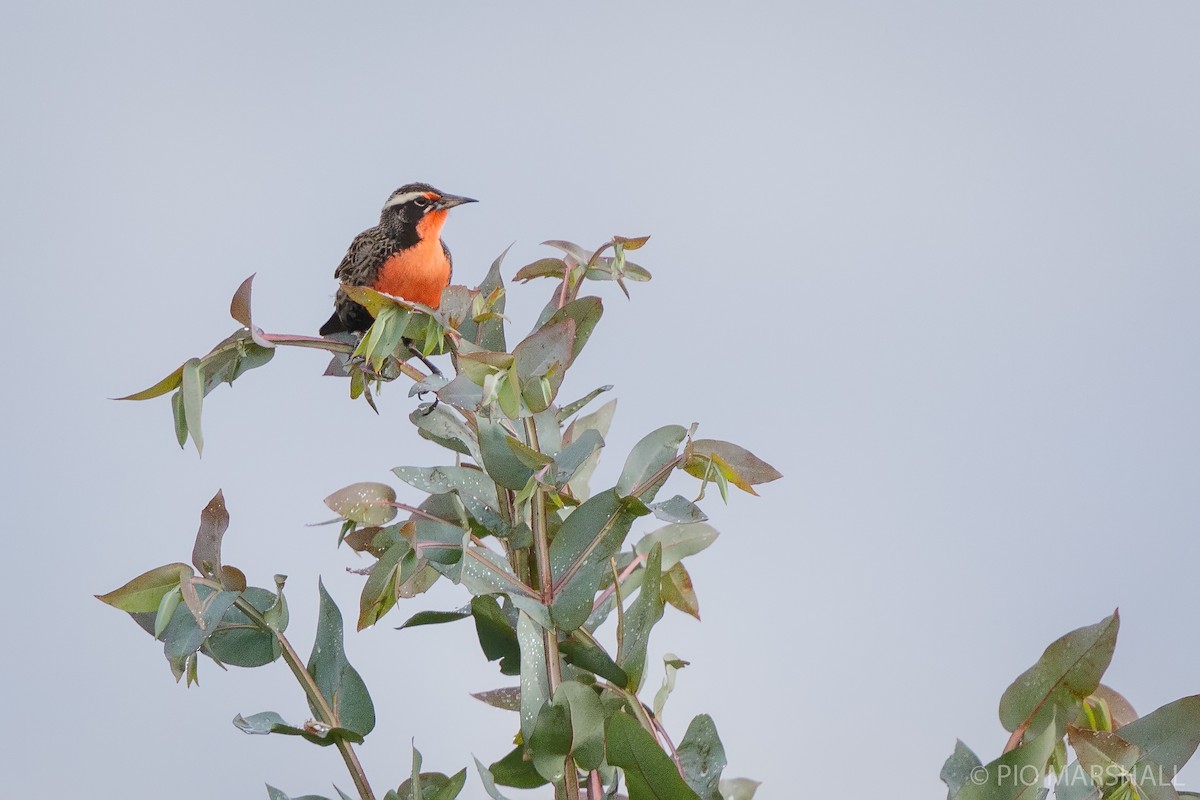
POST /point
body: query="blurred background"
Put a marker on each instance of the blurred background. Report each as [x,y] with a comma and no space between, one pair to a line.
[936,262]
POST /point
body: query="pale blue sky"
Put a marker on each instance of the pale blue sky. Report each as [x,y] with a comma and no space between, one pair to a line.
[935,261]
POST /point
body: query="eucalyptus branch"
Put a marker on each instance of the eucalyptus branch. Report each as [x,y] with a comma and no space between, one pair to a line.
[570,727]
[315,698]
[541,546]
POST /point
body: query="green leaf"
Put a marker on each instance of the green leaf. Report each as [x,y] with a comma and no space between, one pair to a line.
[433,618]
[586,716]
[570,248]
[649,772]
[239,642]
[497,636]
[1016,775]
[631,242]
[542,268]
[489,783]
[267,722]
[678,509]
[1110,760]
[1116,708]
[741,467]
[167,384]
[1068,671]
[339,683]
[144,593]
[533,459]
[535,684]
[1073,783]
[545,353]
[462,393]
[678,591]
[439,425]
[192,391]
[239,309]
[502,464]
[225,362]
[678,541]
[186,631]
[671,666]
[738,788]
[648,459]
[957,770]
[379,592]
[429,785]
[166,609]
[579,554]
[448,790]
[702,757]
[600,420]
[516,771]
[1167,736]
[586,313]
[505,699]
[585,653]
[551,741]
[484,572]
[179,419]
[366,503]
[641,617]
[487,330]
[575,455]
[570,408]
[476,490]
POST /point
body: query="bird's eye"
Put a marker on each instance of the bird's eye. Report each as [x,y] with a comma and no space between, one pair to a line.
[421,202]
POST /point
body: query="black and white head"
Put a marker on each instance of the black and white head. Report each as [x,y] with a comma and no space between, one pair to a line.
[412,202]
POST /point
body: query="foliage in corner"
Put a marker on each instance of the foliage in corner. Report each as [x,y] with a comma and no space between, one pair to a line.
[1060,705]
[562,592]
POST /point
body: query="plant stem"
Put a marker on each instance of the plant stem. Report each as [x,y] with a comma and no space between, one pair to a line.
[541,553]
[315,699]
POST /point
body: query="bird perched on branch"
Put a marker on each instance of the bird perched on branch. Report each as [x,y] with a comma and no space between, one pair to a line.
[403,255]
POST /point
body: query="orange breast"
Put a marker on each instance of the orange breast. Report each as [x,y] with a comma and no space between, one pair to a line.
[418,273]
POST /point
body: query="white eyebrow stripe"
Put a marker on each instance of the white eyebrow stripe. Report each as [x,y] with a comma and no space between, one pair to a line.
[401,199]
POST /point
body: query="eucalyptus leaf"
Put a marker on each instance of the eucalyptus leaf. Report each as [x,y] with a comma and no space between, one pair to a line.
[649,772]
[641,617]
[579,555]
[1068,671]
[646,468]
[238,641]
[366,502]
[535,684]
[144,593]
[214,521]
[702,757]
[516,771]
[1017,774]
[339,683]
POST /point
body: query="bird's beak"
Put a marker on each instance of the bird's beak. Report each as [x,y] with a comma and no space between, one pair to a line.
[450,201]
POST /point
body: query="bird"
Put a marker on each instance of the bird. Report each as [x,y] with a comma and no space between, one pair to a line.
[403,255]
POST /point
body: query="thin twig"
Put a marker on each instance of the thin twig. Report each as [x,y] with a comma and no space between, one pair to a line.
[316,700]
[625,573]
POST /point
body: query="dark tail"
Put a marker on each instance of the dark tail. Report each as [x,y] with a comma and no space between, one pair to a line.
[334,325]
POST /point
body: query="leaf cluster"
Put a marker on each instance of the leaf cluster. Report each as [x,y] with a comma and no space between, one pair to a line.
[1058,706]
